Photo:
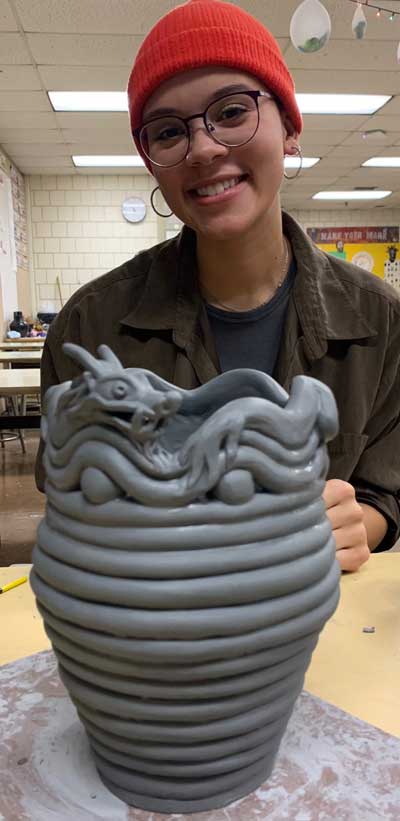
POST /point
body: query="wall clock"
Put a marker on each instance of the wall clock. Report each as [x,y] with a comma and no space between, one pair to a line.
[134,209]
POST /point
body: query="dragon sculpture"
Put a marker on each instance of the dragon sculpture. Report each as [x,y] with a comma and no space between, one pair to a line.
[114,432]
[184,569]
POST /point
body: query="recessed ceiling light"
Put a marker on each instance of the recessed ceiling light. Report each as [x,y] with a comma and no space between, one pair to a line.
[307,162]
[340,103]
[103,161]
[88,100]
[382,162]
[351,195]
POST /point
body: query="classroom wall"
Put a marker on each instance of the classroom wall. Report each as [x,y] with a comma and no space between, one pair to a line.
[78,231]
[8,277]
[18,190]
[18,220]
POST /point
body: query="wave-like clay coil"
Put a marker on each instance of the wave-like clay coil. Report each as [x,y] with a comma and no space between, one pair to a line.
[184,570]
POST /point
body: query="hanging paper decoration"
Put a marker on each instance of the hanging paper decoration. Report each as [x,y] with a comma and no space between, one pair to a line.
[398,53]
[310,26]
[359,24]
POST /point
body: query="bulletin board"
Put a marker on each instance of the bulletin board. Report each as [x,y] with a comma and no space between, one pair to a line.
[374,248]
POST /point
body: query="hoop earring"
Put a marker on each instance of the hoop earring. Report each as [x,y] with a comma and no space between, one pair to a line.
[165,216]
[298,169]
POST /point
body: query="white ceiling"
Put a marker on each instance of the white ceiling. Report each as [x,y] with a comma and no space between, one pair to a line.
[90,45]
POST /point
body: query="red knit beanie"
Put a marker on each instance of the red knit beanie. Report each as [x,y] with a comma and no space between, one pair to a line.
[208,33]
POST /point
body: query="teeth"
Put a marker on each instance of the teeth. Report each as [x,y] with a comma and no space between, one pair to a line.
[218,188]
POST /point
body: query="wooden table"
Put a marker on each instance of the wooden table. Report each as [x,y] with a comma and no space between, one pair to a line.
[19,382]
[22,344]
[17,385]
[25,632]
[15,357]
[358,672]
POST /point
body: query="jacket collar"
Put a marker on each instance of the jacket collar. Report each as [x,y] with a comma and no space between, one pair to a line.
[171,298]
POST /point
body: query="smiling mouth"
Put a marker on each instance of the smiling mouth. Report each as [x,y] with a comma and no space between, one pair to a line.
[218,187]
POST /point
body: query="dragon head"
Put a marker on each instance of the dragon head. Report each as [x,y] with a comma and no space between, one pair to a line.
[123,398]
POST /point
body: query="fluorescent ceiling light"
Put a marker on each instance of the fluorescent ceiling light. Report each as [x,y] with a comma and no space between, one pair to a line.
[383,162]
[100,161]
[88,100]
[308,103]
[294,162]
[351,195]
[340,103]
[94,160]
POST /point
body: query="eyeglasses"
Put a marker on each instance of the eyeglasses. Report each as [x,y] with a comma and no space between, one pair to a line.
[231,120]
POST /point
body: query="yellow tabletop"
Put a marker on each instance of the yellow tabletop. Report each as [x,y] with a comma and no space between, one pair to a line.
[358,672]
[22,631]
[9,357]
[22,344]
[19,381]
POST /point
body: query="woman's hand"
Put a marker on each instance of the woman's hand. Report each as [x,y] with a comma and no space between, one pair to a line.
[347,519]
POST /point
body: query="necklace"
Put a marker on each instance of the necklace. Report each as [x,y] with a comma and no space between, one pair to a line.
[284,267]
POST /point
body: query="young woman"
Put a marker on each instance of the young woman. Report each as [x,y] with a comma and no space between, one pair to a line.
[213,113]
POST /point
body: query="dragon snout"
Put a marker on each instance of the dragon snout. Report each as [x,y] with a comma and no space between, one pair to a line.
[144,423]
[143,418]
[169,403]
[147,421]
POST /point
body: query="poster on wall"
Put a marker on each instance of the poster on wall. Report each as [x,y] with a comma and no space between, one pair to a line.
[376,249]
[4,228]
[8,278]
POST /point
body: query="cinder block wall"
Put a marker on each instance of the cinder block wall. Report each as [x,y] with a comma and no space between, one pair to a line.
[78,231]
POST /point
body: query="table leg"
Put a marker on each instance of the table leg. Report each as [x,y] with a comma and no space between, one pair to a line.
[19,410]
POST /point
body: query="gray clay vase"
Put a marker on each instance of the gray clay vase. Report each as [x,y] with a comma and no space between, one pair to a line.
[184,570]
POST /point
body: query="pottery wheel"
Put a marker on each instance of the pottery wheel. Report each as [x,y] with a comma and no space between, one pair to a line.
[330,765]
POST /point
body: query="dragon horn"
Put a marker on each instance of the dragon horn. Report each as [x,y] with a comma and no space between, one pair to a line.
[83,358]
[107,355]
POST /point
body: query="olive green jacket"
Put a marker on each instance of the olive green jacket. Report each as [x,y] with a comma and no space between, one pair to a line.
[342,327]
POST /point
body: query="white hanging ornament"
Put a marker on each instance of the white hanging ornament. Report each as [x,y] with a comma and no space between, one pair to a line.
[359,23]
[310,26]
[398,53]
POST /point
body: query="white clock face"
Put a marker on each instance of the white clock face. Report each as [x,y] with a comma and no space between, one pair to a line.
[134,209]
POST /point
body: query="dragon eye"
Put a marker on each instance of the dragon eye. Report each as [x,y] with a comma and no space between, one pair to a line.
[119,391]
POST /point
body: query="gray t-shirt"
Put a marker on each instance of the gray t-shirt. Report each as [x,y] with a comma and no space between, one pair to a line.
[251,339]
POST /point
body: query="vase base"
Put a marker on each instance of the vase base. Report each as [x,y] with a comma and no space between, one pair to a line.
[188,806]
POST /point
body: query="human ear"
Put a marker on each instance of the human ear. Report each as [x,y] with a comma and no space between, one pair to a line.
[291,146]
[290,135]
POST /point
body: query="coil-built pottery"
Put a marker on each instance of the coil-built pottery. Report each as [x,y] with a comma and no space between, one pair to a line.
[184,569]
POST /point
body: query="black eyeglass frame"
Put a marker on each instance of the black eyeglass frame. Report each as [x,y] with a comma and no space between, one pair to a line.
[254,94]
